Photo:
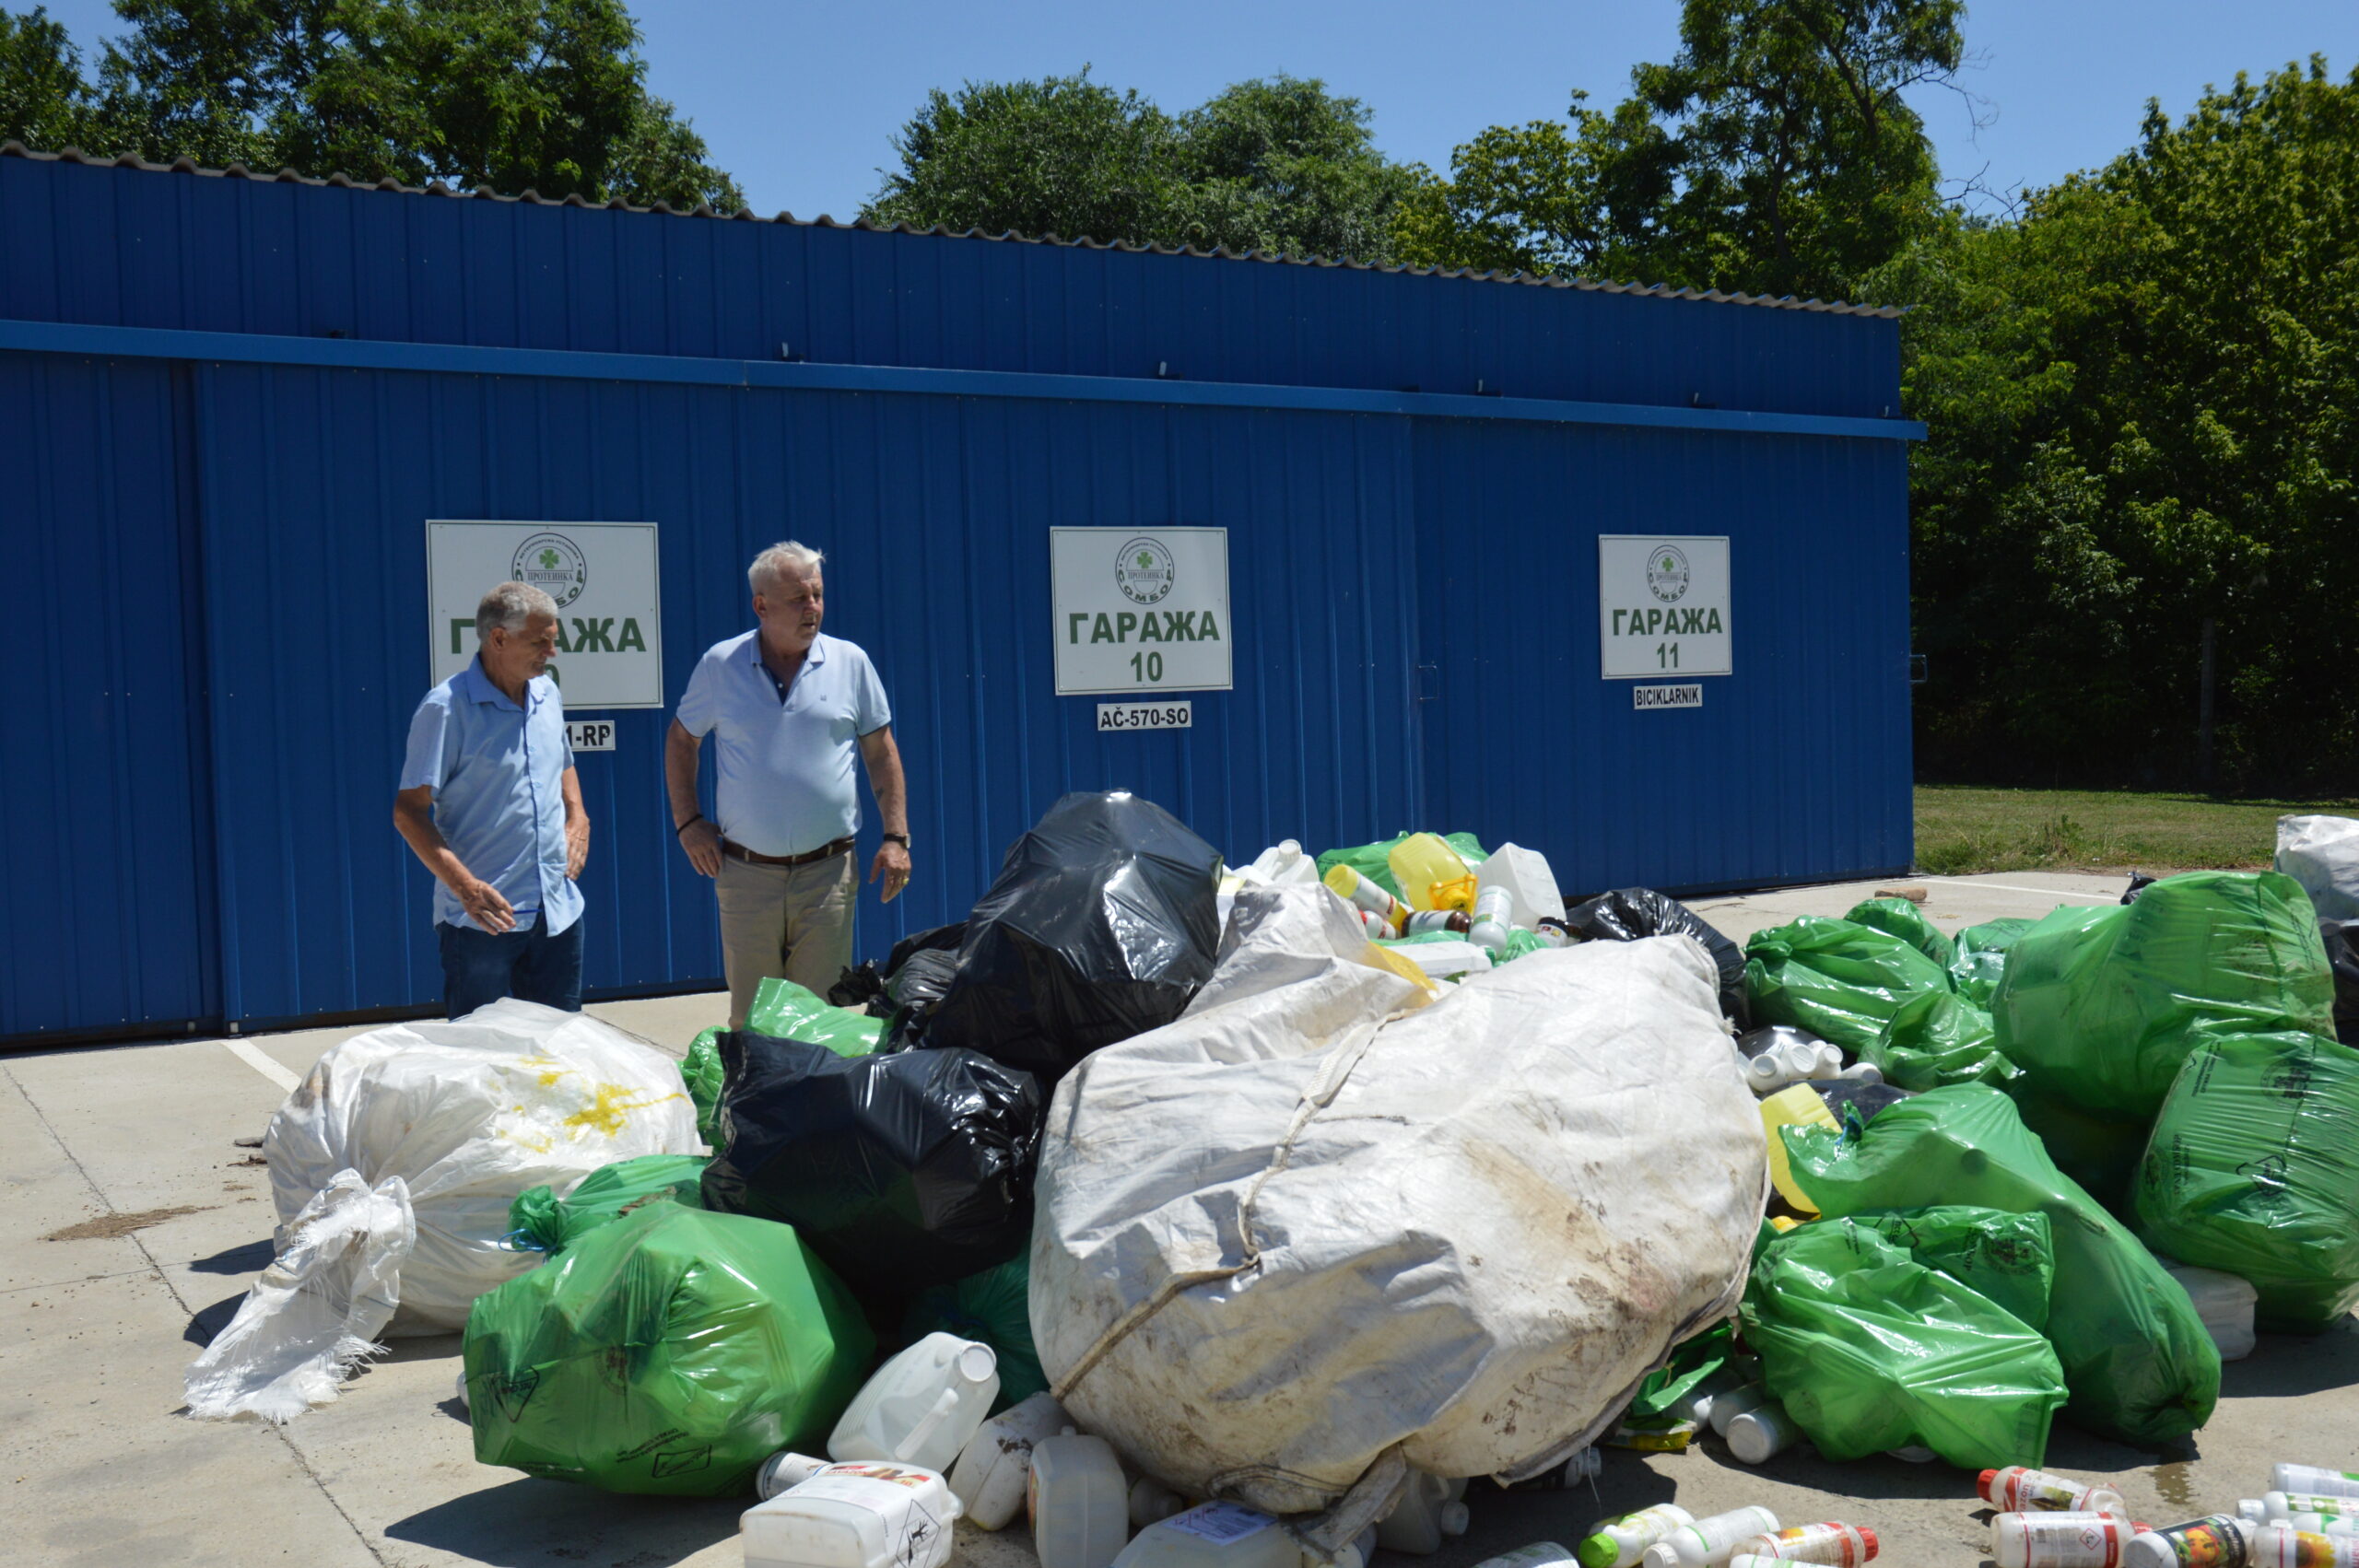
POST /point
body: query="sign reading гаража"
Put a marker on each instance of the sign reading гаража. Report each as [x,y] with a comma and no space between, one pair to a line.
[602,577]
[1662,606]
[1140,610]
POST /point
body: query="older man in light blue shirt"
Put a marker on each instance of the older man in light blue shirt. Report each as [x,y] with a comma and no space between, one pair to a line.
[490,802]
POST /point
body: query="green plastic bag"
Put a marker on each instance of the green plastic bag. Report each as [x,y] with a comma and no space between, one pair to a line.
[994,1307]
[1838,980]
[701,1070]
[2101,1156]
[1901,918]
[2254,1169]
[1710,1357]
[2100,1006]
[539,1219]
[1979,958]
[668,1352]
[1869,1348]
[785,1010]
[2008,1257]
[1370,861]
[1937,1039]
[2136,1357]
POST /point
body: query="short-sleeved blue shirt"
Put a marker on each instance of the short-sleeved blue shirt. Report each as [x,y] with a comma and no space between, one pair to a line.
[787,760]
[498,773]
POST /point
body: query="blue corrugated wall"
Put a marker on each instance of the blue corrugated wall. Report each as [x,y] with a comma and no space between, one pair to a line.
[219,551]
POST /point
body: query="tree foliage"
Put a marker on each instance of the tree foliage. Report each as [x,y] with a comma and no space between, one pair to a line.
[542,95]
[44,102]
[1274,164]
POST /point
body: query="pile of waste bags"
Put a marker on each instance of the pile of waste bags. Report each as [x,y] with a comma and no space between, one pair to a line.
[788,1012]
[541,1221]
[470,1114]
[1629,913]
[1838,980]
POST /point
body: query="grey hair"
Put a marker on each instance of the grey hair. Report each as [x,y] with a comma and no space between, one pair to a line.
[508,606]
[789,555]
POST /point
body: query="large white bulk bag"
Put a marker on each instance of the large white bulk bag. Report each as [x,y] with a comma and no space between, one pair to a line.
[1283,1237]
[469,1114]
[2322,854]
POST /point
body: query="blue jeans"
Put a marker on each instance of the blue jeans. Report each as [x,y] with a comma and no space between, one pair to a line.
[532,966]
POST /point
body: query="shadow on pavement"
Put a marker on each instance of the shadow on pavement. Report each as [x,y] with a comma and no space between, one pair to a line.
[251,1259]
[531,1523]
[2288,1365]
[212,1320]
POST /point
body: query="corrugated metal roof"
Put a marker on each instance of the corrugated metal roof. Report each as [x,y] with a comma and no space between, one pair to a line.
[485,193]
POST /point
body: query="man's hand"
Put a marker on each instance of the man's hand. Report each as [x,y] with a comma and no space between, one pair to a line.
[892,864]
[486,907]
[577,843]
[702,841]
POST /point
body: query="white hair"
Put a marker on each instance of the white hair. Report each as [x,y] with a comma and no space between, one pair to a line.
[508,606]
[775,563]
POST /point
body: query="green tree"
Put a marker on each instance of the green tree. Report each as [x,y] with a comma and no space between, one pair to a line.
[44,102]
[1281,164]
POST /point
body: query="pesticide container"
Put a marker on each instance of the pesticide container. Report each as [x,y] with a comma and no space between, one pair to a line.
[1617,1543]
[1431,875]
[2018,1489]
[1836,1545]
[1530,885]
[2271,1506]
[1493,921]
[1539,1554]
[1079,1502]
[1798,1104]
[1217,1535]
[1369,898]
[1430,1512]
[1283,864]
[2282,1546]
[785,1470]
[2216,1540]
[923,1406]
[1727,1407]
[1862,1072]
[1709,1543]
[1447,922]
[2059,1540]
[1760,1436]
[2309,1478]
[995,1468]
[858,1516]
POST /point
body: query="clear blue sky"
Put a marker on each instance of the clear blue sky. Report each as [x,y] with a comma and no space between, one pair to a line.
[799,101]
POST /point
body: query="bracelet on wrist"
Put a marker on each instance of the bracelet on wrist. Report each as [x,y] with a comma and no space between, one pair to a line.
[688,824]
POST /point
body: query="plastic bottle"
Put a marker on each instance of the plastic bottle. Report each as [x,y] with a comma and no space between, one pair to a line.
[1797,1105]
[2282,1546]
[1554,932]
[1422,922]
[1529,882]
[1618,1542]
[2216,1540]
[1369,898]
[922,1407]
[995,1470]
[1727,1407]
[1826,1061]
[858,1515]
[1493,910]
[1078,1501]
[1862,1072]
[1709,1543]
[1283,864]
[2017,1489]
[1150,1502]
[1430,1513]
[2273,1506]
[1697,1406]
[1539,1554]
[786,1469]
[2309,1478]
[2058,1540]
[1837,1545]
[1217,1535]
[1432,876]
[1761,1434]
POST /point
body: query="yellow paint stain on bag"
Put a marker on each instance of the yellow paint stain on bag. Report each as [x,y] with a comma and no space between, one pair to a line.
[611,1107]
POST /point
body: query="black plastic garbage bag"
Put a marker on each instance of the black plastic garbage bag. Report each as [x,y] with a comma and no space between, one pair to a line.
[1870,1098]
[1629,913]
[899,1170]
[1102,925]
[913,993]
[2342,939]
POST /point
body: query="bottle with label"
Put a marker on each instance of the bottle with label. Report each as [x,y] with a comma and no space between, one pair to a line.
[1370,899]
[1079,1502]
[995,1470]
[1617,1543]
[1710,1543]
[1727,1407]
[878,1515]
[2309,1478]
[1430,1513]
[2216,1540]
[1761,1434]
[1529,882]
[785,1470]
[1217,1535]
[1494,908]
[1831,1543]
[1431,875]
[1426,922]
[2282,1546]
[923,1406]
[2271,1506]
[2060,1539]
[2020,1490]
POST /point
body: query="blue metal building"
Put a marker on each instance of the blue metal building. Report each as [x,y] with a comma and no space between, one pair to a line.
[227,402]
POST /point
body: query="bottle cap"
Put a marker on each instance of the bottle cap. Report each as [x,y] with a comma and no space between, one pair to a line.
[1982,1485]
[1597,1552]
[1868,1539]
[1455,1517]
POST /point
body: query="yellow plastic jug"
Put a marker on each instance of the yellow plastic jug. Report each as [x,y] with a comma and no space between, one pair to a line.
[1432,876]
[1796,1107]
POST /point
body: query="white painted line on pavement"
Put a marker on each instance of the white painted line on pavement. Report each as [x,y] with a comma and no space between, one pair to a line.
[2012,887]
[253,1057]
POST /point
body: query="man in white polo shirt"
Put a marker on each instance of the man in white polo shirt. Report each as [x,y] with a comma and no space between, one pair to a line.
[788,709]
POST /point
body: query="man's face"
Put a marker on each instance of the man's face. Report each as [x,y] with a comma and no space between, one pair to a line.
[521,655]
[791,609]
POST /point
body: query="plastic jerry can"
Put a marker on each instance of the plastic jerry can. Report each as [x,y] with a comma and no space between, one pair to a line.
[1079,1502]
[2282,1546]
[1539,1554]
[1617,1543]
[1217,1535]
[1369,898]
[1761,1434]
[922,1407]
[994,1470]
[2076,1540]
[1833,1544]
[1283,864]
[2309,1478]
[785,1470]
[1530,885]
[2019,1489]
[2216,1540]
[1797,1105]
[1431,875]
[858,1516]
[1709,1543]
[1430,1512]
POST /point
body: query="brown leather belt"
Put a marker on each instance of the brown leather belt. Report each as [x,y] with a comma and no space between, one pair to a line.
[824,852]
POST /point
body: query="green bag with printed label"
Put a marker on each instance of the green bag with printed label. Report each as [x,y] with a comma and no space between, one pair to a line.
[1838,980]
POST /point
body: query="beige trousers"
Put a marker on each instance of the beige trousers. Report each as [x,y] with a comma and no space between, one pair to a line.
[790,920]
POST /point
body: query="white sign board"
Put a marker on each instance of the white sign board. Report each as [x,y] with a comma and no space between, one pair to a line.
[609,620]
[1147,716]
[1646,699]
[590,734]
[1662,606]
[1140,610]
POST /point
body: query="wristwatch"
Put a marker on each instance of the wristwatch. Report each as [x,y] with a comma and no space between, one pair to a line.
[900,838]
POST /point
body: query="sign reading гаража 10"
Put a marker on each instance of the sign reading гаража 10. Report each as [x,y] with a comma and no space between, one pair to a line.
[1662,606]
[1140,609]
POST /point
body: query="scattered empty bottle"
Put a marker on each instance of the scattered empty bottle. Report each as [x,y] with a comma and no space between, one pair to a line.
[1617,1543]
[2309,1478]
[1862,1072]
[1217,1535]
[2282,1546]
[1370,899]
[1539,1554]
[2018,1489]
[1426,922]
[923,1406]
[1710,1543]
[1761,1434]
[1833,1543]
[1430,1512]
[1735,1403]
[785,1470]
[995,1470]
[1494,918]
[2216,1540]
[856,1516]
[2060,1539]
[1079,1502]
[2271,1506]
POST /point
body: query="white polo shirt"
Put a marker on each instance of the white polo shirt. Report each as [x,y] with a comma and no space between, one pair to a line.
[788,761]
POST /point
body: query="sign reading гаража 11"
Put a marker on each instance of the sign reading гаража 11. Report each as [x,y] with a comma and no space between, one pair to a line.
[1140,609]
[609,623]
[1662,606]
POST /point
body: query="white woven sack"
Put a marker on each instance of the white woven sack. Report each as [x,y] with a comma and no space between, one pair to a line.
[1284,1243]
[469,1114]
[2322,854]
